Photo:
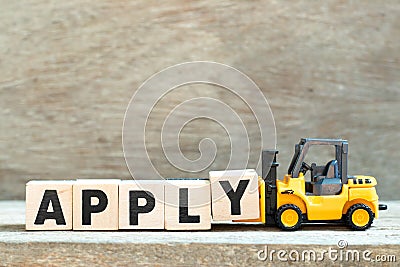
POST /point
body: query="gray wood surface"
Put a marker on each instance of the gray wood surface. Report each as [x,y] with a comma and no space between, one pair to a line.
[69,68]
[223,245]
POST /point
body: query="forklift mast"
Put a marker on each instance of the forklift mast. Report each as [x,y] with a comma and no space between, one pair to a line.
[269,175]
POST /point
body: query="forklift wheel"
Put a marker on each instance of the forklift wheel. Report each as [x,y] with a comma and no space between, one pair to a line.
[359,217]
[288,217]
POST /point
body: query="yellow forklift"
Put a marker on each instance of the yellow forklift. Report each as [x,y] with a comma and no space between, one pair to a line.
[330,196]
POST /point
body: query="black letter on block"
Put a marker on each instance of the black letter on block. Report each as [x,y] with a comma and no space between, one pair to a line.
[235,196]
[184,216]
[135,209]
[56,214]
[88,209]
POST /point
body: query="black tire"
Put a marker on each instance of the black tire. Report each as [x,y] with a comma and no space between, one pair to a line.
[366,217]
[283,223]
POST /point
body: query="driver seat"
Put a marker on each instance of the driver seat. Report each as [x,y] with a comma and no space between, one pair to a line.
[331,169]
[329,182]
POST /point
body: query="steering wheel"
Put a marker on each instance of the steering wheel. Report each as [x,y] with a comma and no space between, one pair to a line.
[305,167]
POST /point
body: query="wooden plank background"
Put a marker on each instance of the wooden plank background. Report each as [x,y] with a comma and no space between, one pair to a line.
[68,70]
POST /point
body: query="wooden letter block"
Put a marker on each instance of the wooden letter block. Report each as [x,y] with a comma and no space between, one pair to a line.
[95,205]
[234,195]
[141,204]
[49,205]
[187,204]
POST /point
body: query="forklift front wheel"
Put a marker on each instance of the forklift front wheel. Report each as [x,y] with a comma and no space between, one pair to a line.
[359,217]
[289,217]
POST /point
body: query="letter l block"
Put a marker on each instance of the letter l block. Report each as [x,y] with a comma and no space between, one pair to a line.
[187,204]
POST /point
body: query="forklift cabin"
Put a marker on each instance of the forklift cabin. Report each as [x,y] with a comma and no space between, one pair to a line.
[325,179]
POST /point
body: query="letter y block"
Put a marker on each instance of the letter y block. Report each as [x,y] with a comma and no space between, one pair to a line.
[234,195]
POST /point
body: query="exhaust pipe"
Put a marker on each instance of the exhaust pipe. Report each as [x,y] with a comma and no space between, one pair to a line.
[382,207]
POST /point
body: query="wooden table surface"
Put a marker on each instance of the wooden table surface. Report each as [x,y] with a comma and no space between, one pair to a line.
[223,245]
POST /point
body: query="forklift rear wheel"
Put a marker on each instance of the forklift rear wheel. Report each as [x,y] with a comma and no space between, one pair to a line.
[359,217]
[289,217]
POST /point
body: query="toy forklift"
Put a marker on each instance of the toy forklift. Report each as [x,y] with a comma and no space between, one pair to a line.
[331,195]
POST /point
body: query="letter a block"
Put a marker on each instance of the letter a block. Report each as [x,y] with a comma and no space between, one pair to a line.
[187,204]
[49,205]
[95,205]
[234,195]
[141,204]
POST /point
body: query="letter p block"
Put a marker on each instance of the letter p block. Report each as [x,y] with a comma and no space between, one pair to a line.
[95,204]
[141,204]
